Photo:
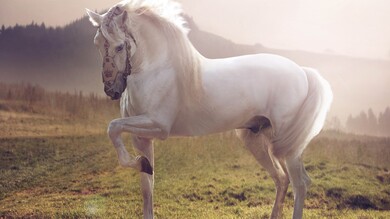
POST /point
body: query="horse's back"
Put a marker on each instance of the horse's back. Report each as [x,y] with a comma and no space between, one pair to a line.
[276,76]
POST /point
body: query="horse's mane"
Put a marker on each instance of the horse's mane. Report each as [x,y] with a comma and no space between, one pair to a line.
[167,10]
[167,15]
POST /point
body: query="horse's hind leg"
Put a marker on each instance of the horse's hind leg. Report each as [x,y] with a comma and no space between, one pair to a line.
[259,145]
[300,182]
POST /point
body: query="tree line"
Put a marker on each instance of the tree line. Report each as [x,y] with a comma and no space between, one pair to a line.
[25,97]
[64,58]
[369,123]
[36,43]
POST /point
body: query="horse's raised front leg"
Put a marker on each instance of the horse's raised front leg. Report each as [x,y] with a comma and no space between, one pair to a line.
[140,126]
[145,147]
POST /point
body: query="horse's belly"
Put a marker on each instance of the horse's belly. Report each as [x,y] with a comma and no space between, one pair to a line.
[206,124]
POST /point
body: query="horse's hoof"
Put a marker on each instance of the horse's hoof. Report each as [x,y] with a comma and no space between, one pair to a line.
[145,165]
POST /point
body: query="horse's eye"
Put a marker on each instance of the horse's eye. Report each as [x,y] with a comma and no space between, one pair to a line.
[120,48]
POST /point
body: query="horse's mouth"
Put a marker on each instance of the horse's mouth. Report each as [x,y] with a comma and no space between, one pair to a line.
[115,95]
[115,88]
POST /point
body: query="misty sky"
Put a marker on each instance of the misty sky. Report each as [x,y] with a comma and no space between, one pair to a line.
[350,27]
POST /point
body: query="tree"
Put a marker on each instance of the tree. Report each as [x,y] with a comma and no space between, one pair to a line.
[9,94]
[372,123]
[350,124]
[362,121]
[334,123]
[384,122]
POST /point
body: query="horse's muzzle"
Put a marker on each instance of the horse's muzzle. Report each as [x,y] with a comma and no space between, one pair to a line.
[115,95]
[114,89]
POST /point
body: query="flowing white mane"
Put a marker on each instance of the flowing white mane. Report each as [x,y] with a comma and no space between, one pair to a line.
[168,19]
[168,10]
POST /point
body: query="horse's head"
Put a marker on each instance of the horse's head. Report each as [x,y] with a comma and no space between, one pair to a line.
[116,45]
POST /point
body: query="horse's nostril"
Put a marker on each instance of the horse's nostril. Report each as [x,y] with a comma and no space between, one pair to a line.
[117,95]
[108,74]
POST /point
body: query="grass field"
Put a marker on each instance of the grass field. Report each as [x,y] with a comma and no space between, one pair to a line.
[56,168]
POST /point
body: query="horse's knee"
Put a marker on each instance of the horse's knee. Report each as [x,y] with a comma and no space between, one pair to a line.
[113,129]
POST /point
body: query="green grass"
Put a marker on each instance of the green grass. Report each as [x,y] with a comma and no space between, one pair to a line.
[207,177]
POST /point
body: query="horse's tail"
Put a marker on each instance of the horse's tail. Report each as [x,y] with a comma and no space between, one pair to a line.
[310,119]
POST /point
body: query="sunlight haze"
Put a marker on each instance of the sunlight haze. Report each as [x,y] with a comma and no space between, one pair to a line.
[348,27]
[340,29]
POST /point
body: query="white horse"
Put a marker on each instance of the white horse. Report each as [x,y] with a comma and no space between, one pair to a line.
[166,88]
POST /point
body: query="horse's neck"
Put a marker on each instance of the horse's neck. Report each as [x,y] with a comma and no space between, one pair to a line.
[152,48]
[162,48]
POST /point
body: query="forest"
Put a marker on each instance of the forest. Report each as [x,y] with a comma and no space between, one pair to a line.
[369,123]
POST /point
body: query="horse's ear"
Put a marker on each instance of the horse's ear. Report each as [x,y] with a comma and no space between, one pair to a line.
[96,19]
[123,18]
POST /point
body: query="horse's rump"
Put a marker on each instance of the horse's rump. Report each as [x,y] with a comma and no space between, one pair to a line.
[309,120]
